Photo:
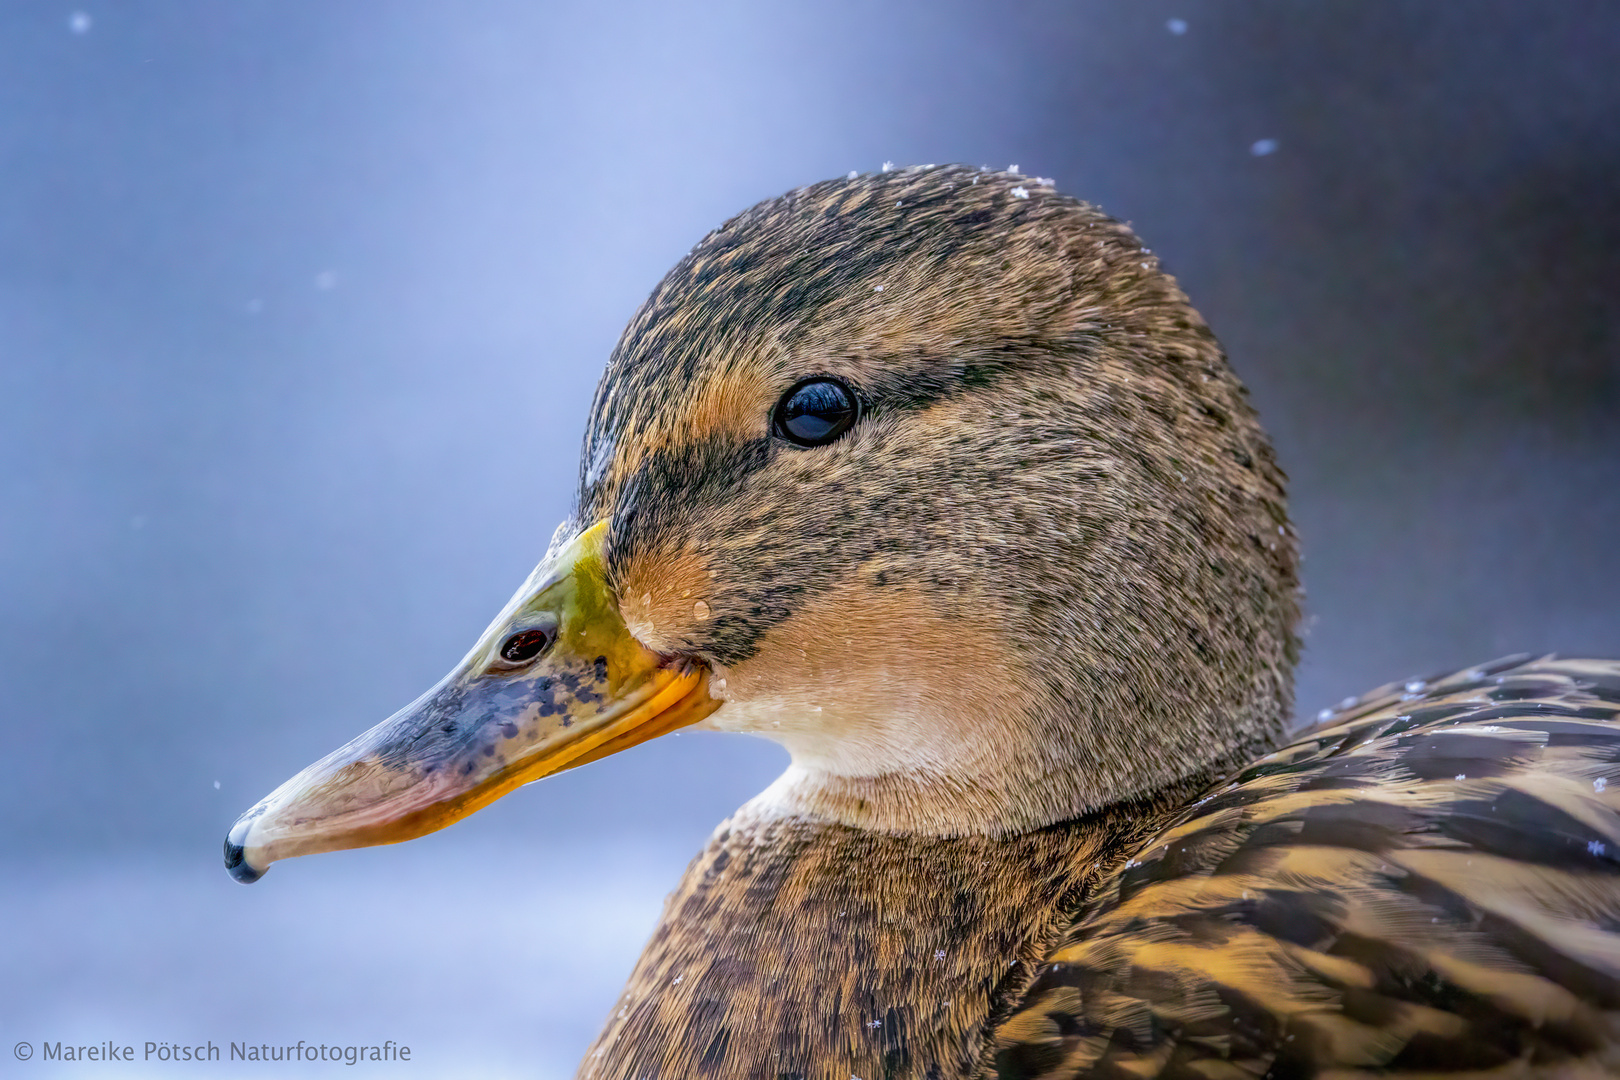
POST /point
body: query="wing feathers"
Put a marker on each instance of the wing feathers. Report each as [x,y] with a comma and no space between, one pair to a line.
[1426,884]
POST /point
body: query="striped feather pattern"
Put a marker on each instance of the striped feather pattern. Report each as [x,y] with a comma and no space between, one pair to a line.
[1425,884]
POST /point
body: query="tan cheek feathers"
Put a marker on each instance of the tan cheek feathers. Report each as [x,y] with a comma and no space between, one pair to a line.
[665,599]
[864,681]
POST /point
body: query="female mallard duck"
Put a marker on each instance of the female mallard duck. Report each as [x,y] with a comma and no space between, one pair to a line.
[937,479]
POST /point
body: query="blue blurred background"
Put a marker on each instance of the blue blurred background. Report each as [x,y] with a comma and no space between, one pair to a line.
[302,304]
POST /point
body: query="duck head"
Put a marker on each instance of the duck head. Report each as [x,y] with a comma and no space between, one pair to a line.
[934,477]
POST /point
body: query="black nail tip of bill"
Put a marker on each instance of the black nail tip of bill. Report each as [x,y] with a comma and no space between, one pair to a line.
[237,865]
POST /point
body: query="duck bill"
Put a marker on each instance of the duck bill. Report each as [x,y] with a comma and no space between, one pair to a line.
[492,724]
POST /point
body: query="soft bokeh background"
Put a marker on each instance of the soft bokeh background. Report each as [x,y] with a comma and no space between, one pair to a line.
[301,305]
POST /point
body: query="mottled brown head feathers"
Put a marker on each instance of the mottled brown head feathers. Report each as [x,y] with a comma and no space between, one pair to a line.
[1011,625]
[1050,568]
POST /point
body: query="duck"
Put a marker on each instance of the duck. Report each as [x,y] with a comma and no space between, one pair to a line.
[935,477]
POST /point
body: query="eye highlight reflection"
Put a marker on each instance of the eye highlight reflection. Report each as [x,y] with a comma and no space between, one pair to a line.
[816,411]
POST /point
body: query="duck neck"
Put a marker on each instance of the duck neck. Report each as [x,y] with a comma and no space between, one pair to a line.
[797,946]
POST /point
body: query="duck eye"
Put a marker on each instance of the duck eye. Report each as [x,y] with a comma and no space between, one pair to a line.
[524,646]
[816,411]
